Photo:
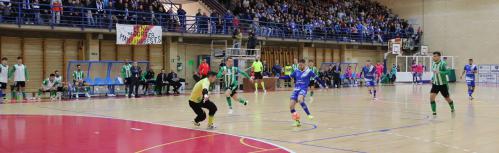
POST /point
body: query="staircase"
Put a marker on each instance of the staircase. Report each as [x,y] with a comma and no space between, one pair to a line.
[215,5]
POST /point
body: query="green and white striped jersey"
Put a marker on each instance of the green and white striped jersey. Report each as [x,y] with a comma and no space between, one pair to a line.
[315,70]
[439,78]
[78,75]
[230,76]
[47,84]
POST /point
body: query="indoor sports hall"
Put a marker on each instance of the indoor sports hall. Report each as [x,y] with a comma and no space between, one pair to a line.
[249,76]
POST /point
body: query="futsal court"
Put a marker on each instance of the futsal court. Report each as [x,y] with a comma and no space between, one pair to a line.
[346,120]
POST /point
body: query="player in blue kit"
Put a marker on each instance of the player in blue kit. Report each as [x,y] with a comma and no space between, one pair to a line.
[302,77]
[369,74]
[470,70]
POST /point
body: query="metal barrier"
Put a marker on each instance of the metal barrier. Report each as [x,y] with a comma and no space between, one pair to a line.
[83,17]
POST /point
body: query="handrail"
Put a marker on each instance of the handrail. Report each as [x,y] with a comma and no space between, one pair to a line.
[84,17]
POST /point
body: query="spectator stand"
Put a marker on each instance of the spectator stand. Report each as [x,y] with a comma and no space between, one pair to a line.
[103,77]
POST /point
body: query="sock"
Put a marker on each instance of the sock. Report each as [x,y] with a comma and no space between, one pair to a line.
[374,93]
[311,93]
[293,111]
[469,92]
[256,86]
[305,108]
[210,120]
[24,95]
[52,94]
[370,92]
[433,106]
[451,105]
[242,101]
[263,85]
[40,93]
[229,102]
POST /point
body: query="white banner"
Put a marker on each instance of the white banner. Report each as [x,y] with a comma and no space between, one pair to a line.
[396,49]
[138,34]
[485,69]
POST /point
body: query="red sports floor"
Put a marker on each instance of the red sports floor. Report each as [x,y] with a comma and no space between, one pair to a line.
[72,134]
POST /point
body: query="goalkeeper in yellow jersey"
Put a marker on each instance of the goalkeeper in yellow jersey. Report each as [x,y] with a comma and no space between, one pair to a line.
[199,99]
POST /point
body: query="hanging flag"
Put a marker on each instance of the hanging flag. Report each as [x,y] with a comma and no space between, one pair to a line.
[138,34]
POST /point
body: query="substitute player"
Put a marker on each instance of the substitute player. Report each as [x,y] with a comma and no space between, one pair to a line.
[4,77]
[20,74]
[199,99]
[470,71]
[79,82]
[369,75]
[311,85]
[257,68]
[49,85]
[302,78]
[439,82]
[228,73]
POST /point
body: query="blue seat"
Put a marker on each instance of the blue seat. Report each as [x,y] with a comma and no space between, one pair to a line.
[99,81]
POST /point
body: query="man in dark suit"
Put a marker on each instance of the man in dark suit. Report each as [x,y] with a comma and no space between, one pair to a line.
[174,81]
[161,81]
[136,72]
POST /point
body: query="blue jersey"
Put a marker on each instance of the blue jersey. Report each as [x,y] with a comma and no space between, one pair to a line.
[303,78]
[470,72]
[369,72]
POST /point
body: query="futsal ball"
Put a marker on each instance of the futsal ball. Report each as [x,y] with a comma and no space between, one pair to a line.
[295,116]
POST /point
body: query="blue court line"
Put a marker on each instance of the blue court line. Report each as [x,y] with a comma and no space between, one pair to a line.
[366,132]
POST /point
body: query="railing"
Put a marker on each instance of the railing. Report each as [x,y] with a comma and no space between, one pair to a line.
[83,18]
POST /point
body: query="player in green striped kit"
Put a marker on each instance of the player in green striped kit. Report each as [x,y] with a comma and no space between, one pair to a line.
[314,69]
[79,81]
[439,82]
[20,74]
[229,75]
[126,74]
[50,85]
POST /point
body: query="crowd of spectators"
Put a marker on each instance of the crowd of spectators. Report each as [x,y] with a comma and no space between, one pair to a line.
[343,20]
[365,19]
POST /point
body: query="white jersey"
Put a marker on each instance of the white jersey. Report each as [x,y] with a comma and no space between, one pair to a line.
[58,79]
[20,72]
[4,73]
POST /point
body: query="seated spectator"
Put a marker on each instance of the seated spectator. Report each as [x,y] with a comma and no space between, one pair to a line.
[175,82]
[147,80]
[161,82]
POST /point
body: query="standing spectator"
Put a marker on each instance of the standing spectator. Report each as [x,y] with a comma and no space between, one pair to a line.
[276,71]
[5,9]
[214,21]
[252,41]
[336,76]
[35,6]
[161,81]
[56,11]
[198,21]
[227,22]
[204,68]
[237,38]
[136,72]
[181,16]
[99,12]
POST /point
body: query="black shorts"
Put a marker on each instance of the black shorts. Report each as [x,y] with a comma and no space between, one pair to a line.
[20,84]
[232,88]
[444,89]
[3,85]
[258,76]
[312,83]
[74,83]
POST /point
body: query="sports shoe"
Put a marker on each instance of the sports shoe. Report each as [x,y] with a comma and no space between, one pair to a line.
[196,124]
[297,123]
[77,96]
[87,95]
[245,102]
[211,126]
[230,111]
[434,113]
[256,91]
[471,98]
[452,110]
[310,117]
[264,91]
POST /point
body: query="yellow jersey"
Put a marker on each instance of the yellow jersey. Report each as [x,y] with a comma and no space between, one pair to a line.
[197,91]
[257,66]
